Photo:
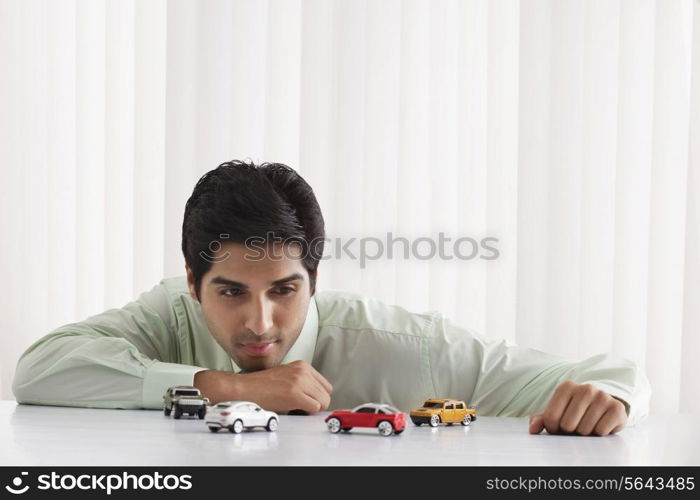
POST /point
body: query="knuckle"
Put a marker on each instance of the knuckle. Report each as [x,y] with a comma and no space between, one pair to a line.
[549,415]
[568,384]
[567,426]
[601,428]
[565,387]
[620,411]
[603,397]
[599,431]
[588,389]
[552,429]
[297,366]
[550,421]
[584,430]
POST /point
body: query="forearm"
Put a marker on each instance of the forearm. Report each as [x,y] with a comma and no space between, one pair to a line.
[66,369]
[218,385]
[293,386]
[508,380]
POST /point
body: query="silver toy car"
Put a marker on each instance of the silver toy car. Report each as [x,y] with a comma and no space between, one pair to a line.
[182,399]
[239,415]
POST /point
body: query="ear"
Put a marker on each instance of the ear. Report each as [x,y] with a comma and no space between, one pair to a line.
[190,283]
[313,290]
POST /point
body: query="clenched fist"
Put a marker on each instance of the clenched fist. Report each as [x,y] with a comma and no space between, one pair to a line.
[580,409]
[294,386]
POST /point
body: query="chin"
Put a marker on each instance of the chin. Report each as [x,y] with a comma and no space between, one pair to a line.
[254,365]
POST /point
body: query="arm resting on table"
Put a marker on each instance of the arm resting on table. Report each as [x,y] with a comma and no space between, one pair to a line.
[122,358]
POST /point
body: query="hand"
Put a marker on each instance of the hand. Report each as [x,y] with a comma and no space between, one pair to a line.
[580,409]
[294,386]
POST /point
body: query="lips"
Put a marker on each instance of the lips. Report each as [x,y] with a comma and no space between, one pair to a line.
[258,349]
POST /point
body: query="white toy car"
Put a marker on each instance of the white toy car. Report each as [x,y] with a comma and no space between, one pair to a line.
[239,415]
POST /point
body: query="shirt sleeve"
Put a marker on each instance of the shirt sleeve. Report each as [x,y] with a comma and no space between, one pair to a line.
[122,358]
[502,379]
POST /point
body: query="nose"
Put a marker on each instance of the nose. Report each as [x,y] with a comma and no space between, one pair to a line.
[259,317]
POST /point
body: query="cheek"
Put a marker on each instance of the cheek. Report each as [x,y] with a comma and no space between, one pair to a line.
[292,319]
[218,317]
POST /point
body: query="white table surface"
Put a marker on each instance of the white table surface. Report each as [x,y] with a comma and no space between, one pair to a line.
[44,435]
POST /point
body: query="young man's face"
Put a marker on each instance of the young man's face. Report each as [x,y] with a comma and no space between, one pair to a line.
[256,307]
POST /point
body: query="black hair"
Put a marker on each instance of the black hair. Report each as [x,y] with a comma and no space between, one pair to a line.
[241,200]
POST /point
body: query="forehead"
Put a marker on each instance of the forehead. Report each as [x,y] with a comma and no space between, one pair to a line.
[256,263]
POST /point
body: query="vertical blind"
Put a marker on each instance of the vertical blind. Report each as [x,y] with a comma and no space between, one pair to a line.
[567,130]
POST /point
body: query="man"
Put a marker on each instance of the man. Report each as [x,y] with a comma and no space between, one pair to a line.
[247,324]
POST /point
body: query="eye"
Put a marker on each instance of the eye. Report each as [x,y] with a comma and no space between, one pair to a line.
[284,290]
[235,292]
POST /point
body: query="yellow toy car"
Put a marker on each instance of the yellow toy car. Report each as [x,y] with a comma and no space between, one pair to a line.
[446,411]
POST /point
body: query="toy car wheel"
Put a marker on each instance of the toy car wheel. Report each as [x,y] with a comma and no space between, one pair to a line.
[334,425]
[201,413]
[237,427]
[467,420]
[434,421]
[347,429]
[271,425]
[178,412]
[213,428]
[166,412]
[385,428]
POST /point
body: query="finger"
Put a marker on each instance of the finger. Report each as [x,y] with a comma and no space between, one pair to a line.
[613,418]
[536,424]
[322,380]
[557,405]
[593,414]
[307,368]
[313,383]
[316,391]
[307,404]
[580,401]
[617,429]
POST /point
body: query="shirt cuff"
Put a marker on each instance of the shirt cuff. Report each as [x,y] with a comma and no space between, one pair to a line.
[160,377]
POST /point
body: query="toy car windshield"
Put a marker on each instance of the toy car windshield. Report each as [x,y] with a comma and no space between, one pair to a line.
[185,392]
[388,410]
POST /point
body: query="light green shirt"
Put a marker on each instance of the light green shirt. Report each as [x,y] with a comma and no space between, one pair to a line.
[368,350]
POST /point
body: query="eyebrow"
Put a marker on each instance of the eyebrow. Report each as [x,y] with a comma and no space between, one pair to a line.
[219,280]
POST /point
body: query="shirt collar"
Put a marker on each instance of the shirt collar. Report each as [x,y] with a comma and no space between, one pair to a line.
[305,345]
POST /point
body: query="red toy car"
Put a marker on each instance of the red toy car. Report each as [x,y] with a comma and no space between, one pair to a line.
[386,418]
